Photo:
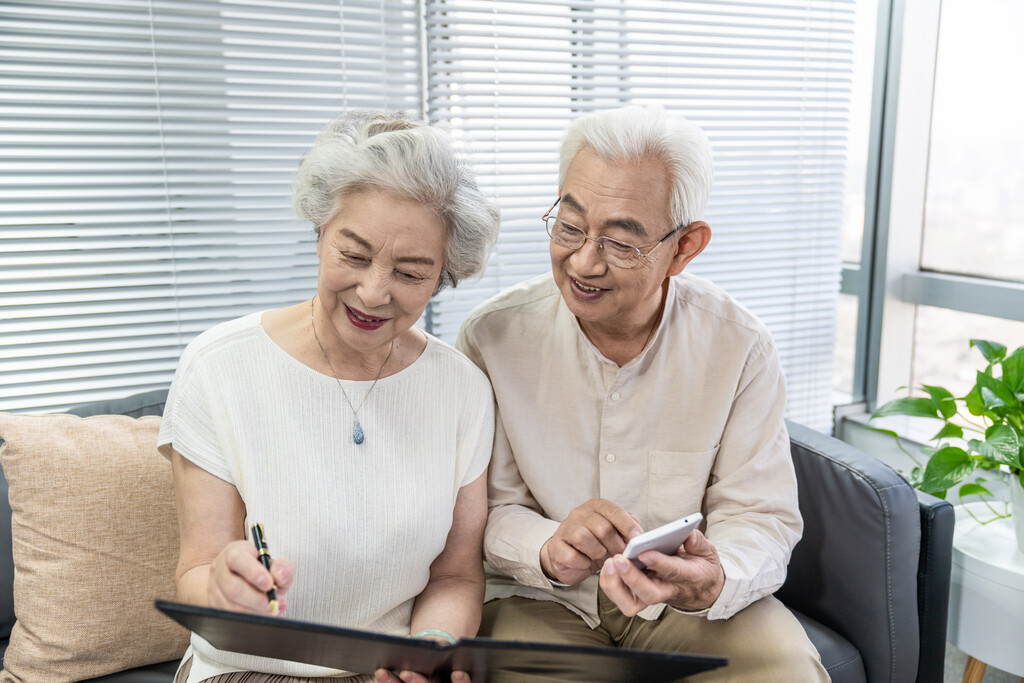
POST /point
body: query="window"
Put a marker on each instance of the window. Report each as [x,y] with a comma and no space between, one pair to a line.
[771,83]
[148,153]
[150,150]
[947,265]
[974,208]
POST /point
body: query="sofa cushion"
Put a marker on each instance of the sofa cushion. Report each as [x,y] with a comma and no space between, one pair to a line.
[95,542]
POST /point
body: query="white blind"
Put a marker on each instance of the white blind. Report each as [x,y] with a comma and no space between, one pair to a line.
[768,81]
[146,152]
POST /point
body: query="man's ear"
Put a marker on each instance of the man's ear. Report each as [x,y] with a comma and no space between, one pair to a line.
[695,237]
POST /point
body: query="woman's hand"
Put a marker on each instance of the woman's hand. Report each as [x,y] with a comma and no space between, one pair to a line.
[217,567]
[385,676]
[239,582]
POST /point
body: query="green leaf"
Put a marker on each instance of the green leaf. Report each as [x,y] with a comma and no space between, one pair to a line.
[995,392]
[887,432]
[917,407]
[1001,445]
[992,351]
[973,490]
[1013,370]
[975,404]
[943,399]
[948,467]
[949,431]
[1003,437]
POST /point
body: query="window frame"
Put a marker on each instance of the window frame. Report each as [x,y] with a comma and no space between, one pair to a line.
[889,281]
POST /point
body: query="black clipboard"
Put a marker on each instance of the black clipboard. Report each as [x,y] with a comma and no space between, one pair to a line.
[364,652]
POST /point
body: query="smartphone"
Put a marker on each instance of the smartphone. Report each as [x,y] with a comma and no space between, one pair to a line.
[665,539]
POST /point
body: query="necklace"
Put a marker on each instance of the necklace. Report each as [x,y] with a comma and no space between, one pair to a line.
[357,429]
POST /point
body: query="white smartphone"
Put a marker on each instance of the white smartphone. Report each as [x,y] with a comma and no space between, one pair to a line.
[665,539]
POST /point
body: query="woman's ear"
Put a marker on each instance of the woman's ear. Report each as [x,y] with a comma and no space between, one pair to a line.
[695,237]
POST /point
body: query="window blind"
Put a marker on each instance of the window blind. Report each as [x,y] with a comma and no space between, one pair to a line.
[769,81]
[146,154]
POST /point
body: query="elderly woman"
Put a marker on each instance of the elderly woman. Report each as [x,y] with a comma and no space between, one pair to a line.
[358,441]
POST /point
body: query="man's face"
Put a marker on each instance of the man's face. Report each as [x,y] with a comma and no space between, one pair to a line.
[628,202]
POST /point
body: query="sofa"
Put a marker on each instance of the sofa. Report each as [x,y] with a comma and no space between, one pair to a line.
[869,581]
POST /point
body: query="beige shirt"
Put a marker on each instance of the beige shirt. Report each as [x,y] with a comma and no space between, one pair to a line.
[695,422]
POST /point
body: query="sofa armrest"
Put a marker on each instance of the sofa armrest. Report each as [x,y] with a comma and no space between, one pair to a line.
[934,567]
[856,568]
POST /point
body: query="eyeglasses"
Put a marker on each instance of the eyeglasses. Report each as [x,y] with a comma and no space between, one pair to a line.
[614,252]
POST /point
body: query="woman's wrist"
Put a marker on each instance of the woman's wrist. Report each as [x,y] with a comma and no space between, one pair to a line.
[435,633]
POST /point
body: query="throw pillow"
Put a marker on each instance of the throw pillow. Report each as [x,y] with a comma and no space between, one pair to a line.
[95,542]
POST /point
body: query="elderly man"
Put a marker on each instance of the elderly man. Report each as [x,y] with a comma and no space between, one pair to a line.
[630,394]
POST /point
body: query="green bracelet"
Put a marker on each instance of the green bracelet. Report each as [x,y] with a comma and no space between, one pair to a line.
[436,632]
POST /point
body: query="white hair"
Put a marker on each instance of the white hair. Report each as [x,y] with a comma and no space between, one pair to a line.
[635,133]
[389,151]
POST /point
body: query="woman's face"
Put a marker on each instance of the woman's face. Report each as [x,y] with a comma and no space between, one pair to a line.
[380,262]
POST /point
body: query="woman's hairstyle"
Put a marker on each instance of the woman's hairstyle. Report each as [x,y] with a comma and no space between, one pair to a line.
[389,151]
[636,133]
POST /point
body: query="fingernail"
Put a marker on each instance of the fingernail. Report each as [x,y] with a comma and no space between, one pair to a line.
[634,533]
[608,567]
[405,676]
[621,563]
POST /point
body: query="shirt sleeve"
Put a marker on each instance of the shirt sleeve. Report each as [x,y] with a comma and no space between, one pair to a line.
[751,500]
[476,435]
[189,424]
[515,530]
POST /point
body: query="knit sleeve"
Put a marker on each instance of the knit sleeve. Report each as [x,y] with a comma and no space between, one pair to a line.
[476,428]
[190,423]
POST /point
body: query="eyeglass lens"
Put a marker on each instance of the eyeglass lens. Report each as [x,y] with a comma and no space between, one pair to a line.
[614,252]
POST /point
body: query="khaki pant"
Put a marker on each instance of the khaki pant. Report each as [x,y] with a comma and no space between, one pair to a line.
[764,642]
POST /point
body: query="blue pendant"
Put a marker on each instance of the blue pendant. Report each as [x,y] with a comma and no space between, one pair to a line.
[357,433]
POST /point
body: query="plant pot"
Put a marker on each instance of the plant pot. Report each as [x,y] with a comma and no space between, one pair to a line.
[1017,509]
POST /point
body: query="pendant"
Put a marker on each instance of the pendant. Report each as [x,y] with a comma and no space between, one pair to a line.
[357,432]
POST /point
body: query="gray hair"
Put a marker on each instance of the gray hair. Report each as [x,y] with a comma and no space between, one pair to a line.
[389,151]
[635,133]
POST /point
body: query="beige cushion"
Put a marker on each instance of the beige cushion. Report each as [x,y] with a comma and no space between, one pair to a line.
[95,542]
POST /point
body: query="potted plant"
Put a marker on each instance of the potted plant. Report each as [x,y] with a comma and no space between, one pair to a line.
[983,429]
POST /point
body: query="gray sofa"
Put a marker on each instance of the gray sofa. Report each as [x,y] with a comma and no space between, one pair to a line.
[869,581]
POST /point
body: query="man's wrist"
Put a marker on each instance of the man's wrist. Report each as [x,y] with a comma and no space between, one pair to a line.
[549,575]
[545,562]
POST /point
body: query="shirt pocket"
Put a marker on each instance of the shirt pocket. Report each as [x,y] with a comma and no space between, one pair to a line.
[676,481]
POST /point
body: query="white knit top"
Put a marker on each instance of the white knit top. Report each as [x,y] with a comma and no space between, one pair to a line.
[361,522]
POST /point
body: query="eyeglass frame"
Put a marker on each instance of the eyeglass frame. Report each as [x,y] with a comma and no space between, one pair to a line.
[598,240]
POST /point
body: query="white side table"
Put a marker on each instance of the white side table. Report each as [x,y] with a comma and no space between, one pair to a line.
[986,594]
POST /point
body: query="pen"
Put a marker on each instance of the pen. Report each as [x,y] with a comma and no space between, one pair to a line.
[261,546]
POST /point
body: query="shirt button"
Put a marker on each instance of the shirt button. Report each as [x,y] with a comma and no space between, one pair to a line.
[610,457]
[615,396]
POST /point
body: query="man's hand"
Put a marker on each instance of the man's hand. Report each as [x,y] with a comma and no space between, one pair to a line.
[591,534]
[690,580]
